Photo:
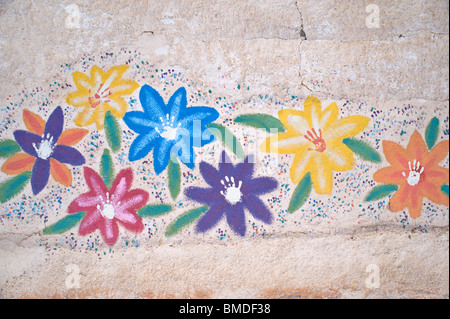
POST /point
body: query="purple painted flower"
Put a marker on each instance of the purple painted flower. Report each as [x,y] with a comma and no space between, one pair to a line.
[45,148]
[233,189]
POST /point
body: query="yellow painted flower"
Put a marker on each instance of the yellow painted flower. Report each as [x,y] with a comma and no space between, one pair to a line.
[100,92]
[315,137]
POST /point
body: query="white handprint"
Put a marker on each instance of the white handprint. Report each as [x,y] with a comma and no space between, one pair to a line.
[414,173]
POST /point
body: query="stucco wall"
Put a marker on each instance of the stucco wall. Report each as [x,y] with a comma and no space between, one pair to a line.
[385,60]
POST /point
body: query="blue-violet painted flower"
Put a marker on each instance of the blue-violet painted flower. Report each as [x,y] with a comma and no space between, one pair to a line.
[46,148]
[171,128]
[232,190]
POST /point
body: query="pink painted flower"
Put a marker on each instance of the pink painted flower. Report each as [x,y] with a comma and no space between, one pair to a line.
[106,208]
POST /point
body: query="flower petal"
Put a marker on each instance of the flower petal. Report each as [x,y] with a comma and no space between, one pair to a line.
[211,217]
[395,155]
[60,172]
[340,156]
[389,175]
[131,201]
[259,185]
[18,163]
[434,193]
[72,136]
[139,122]
[244,171]
[313,106]
[226,167]
[117,105]
[85,117]
[437,154]
[185,152]
[436,175]
[296,122]
[82,81]
[91,222]
[79,98]
[68,155]
[415,203]
[208,196]
[161,155]
[329,116]
[55,123]
[346,127]
[84,202]
[95,182]
[109,231]
[177,104]
[121,184]
[152,103]
[257,208]
[302,163]
[142,145]
[236,218]
[210,174]
[284,143]
[400,199]
[123,87]
[321,174]
[199,114]
[26,140]
[417,148]
[33,122]
[40,175]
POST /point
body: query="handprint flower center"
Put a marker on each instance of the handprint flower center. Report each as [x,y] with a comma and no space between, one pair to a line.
[414,173]
[232,193]
[101,96]
[169,128]
[106,208]
[45,148]
[316,139]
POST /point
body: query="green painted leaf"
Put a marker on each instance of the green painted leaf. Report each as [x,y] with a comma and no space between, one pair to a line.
[13,186]
[185,219]
[227,138]
[301,193]
[380,191]
[362,149]
[107,168]
[112,131]
[431,132]
[444,189]
[8,148]
[259,120]
[64,224]
[154,210]
[174,176]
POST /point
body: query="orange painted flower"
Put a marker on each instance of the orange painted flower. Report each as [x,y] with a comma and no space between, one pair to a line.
[99,93]
[417,173]
[45,150]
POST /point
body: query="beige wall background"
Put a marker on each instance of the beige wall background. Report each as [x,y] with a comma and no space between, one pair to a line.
[260,56]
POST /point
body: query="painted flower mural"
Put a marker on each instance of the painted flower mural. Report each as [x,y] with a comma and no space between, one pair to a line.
[316,137]
[322,143]
[171,128]
[232,190]
[414,174]
[47,150]
[320,140]
[99,93]
[105,208]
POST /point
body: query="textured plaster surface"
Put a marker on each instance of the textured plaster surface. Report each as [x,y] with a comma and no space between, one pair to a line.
[274,51]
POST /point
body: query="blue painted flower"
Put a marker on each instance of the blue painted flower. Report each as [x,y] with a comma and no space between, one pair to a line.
[171,128]
[233,189]
[46,149]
